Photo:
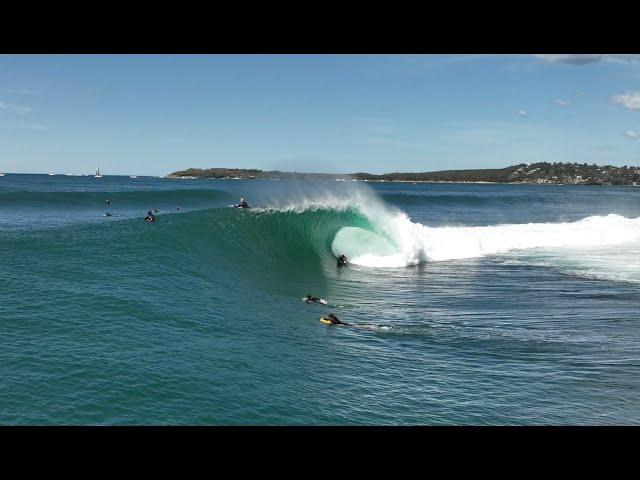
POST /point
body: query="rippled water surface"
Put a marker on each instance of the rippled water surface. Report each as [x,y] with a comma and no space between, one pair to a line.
[467,304]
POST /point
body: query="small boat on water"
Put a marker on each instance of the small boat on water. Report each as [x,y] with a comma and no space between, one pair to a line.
[133,176]
[1,174]
[97,175]
[51,174]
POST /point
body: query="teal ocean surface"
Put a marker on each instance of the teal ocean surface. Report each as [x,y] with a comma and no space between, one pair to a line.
[468,304]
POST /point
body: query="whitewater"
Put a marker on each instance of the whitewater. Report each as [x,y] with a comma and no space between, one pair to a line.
[394,240]
[402,243]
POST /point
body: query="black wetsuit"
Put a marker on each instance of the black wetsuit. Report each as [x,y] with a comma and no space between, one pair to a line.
[342,260]
[312,299]
[242,205]
[150,217]
[335,320]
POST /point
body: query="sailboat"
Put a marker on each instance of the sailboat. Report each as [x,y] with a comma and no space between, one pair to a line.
[97,175]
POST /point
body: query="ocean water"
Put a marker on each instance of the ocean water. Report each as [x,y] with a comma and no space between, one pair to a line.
[467,304]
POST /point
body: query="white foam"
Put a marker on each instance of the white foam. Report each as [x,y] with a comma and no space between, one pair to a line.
[416,243]
[609,262]
[397,241]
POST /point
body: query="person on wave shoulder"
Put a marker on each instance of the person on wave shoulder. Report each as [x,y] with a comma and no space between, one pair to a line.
[242,204]
[342,260]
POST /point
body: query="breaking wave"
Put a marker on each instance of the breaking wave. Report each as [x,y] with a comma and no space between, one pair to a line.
[389,238]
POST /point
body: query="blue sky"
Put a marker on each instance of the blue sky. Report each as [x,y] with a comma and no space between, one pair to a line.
[154,114]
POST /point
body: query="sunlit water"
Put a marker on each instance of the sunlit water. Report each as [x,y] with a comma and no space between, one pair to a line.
[467,304]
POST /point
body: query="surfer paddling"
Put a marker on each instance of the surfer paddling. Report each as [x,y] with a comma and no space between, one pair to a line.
[333,320]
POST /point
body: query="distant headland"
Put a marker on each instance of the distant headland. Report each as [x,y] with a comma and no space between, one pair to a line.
[543,172]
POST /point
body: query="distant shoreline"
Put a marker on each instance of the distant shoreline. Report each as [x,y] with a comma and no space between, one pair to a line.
[409,181]
[523,174]
[529,174]
[338,179]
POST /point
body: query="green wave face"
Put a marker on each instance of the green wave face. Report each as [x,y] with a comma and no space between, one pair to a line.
[269,243]
[225,251]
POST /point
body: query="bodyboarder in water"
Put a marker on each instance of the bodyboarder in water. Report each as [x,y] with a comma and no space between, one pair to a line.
[334,320]
[150,217]
[309,299]
[342,260]
[242,204]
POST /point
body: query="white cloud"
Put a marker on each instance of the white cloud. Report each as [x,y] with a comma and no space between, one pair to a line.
[631,134]
[572,59]
[523,113]
[585,58]
[630,100]
[623,58]
[562,103]
[19,109]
